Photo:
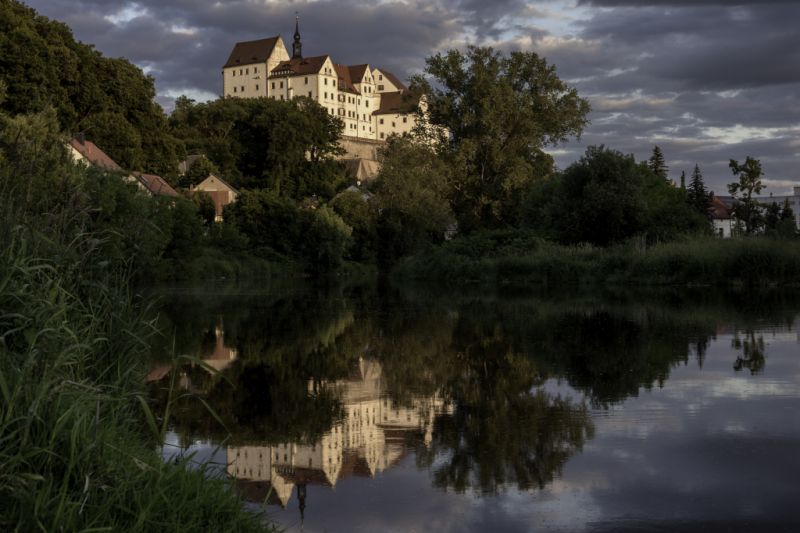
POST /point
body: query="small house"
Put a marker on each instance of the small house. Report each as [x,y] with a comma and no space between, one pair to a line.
[220,191]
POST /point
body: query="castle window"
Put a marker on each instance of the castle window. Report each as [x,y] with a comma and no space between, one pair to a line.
[247,71]
[273,84]
[241,71]
[234,89]
[333,82]
[281,97]
[382,136]
[306,80]
[242,88]
[255,70]
[281,85]
[381,121]
[405,120]
[393,125]
[309,94]
[326,81]
[380,77]
[380,87]
[233,73]
[256,86]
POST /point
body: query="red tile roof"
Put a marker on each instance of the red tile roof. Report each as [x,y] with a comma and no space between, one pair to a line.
[357,72]
[94,155]
[719,211]
[299,66]
[396,102]
[251,52]
[345,80]
[155,184]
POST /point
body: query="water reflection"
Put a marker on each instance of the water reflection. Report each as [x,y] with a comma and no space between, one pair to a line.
[483,395]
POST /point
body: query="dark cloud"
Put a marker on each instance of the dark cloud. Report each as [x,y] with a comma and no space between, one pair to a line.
[705,80]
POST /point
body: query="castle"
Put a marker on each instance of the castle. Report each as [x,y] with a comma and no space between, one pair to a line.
[371,102]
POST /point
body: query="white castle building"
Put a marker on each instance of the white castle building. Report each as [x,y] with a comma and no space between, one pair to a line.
[372,102]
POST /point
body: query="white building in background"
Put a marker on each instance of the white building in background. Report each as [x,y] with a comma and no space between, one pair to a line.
[372,102]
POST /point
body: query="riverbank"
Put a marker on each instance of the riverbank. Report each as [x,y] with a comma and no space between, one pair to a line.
[503,258]
[77,451]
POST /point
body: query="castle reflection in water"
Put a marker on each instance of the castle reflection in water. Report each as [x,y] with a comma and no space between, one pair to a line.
[372,435]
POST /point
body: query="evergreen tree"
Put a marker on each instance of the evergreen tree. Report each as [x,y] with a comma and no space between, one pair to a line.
[697,195]
[683,180]
[786,225]
[657,164]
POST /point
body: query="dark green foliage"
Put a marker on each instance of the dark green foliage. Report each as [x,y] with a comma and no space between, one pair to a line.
[199,171]
[500,111]
[697,195]
[747,211]
[205,207]
[705,261]
[657,164]
[779,220]
[357,213]
[276,225]
[606,198]
[75,456]
[411,200]
[283,146]
[110,99]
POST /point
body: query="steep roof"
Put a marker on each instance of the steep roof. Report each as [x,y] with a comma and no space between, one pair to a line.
[719,210]
[94,155]
[345,80]
[394,79]
[357,72]
[299,66]
[155,184]
[213,177]
[251,52]
[396,102]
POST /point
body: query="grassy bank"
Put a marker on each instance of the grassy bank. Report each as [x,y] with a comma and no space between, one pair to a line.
[75,453]
[520,258]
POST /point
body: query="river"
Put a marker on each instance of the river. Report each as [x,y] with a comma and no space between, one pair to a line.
[378,409]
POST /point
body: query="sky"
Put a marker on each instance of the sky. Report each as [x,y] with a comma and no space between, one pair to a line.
[706,80]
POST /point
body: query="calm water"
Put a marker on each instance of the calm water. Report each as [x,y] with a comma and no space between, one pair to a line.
[359,410]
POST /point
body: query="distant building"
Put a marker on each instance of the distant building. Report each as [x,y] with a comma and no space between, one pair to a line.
[87,152]
[793,199]
[372,102]
[721,216]
[83,151]
[220,191]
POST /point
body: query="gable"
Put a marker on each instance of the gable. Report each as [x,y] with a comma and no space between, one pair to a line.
[252,52]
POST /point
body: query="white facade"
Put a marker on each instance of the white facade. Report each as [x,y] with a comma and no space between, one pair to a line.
[371,102]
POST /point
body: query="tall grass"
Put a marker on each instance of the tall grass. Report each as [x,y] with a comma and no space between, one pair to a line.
[75,450]
[514,258]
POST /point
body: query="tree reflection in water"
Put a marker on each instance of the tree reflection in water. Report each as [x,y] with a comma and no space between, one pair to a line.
[462,383]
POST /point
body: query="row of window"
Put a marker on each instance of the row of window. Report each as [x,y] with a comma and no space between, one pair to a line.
[245,71]
[405,121]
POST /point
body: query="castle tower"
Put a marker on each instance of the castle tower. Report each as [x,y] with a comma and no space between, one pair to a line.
[297,46]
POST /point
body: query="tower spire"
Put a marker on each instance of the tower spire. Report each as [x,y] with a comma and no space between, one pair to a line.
[297,46]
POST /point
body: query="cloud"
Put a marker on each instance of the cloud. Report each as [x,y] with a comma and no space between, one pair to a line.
[706,80]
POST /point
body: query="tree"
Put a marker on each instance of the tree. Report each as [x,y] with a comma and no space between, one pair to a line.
[747,210]
[111,100]
[656,163]
[500,112]
[683,179]
[607,197]
[786,225]
[199,171]
[410,197]
[697,195]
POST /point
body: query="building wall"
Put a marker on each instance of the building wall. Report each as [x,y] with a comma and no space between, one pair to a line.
[250,81]
[394,124]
